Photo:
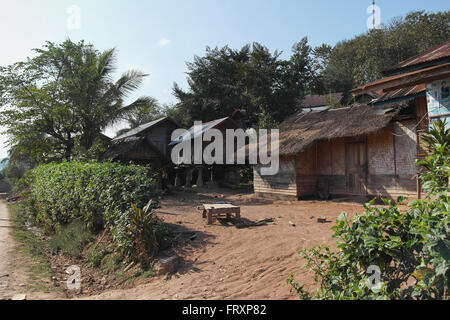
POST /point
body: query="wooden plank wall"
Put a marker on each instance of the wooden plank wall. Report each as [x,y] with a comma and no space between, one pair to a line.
[281,184]
[306,167]
[391,170]
[331,166]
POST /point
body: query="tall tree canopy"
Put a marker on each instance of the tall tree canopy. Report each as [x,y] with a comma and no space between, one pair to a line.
[252,78]
[270,88]
[355,62]
[142,114]
[63,98]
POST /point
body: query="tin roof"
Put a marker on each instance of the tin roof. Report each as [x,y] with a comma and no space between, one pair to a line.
[438,52]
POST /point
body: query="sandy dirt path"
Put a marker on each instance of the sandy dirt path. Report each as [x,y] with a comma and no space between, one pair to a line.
[6,248]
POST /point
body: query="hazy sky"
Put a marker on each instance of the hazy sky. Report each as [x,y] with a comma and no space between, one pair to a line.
[159,36]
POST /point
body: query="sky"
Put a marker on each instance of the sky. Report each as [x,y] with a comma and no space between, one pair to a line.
[160,36]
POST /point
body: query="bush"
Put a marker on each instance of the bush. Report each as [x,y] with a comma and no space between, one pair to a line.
[409,250]
[98,194]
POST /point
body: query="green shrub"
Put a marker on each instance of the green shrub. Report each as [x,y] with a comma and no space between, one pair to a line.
[71,239]
[99,194]
[96,255]
[410,249]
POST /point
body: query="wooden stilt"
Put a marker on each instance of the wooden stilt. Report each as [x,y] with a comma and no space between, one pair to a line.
[200,177]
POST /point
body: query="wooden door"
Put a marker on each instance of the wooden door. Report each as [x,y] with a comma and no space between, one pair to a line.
[355,165]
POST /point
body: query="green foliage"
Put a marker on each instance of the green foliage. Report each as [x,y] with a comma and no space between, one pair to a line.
[63,92]
[96,255]
[142,114]
[436,164]
[141,229]
[71,239]
[98,194]
[251,78]
[352,63]
[411,249]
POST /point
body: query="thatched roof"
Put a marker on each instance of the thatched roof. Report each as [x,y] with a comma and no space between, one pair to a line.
[301,130]
[311,101]
[122,146]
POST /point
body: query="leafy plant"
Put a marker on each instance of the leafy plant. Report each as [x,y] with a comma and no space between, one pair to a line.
[98,195]
[142,227]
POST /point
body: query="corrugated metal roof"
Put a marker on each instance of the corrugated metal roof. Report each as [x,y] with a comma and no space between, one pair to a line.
[190,134]
[400,93]
[407,79]
[435,53]
[139,129]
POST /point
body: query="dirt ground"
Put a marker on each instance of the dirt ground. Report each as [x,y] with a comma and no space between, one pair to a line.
[225,262]
[221,261]
[14,265]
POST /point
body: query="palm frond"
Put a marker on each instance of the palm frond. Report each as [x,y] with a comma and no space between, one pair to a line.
[106,63]
[130,81]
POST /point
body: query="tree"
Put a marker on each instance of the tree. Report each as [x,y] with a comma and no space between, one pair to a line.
[251,78]
[65,94]
[142,114]
[363,59]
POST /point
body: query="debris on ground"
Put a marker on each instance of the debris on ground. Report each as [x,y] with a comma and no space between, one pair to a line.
[167,265]
[246,224]
[322,219]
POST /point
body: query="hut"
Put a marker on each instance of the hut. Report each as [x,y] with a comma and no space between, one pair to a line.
[357,150]
[217,174]
[367,149]
[147,144]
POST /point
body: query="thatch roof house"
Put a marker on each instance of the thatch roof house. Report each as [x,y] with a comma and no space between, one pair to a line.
[364,149]
[357,150]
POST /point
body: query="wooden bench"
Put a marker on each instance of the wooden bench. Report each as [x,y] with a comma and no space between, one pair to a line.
[214,211]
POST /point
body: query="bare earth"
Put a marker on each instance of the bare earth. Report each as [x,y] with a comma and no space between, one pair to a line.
[14,264]
[224,262]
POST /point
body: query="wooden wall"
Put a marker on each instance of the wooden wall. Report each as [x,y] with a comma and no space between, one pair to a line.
[390,166]
[306,167]
[331,166]
[160,136]
[281,185]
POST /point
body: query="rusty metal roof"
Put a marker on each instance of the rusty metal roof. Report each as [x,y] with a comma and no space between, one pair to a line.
[400,93]
[436,53]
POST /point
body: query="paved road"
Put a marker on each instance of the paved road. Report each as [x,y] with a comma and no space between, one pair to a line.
[6,245]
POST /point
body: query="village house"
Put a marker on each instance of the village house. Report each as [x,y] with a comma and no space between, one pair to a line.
[147,144]
[366,149]
[190,173]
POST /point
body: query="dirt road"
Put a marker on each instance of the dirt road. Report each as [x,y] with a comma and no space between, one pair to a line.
[6,246]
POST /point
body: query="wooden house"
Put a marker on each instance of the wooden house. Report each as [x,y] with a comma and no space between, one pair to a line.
[365,149]
[190,173]
[145,144]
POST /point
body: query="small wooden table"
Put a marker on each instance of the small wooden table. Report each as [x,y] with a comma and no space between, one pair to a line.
[214,211]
